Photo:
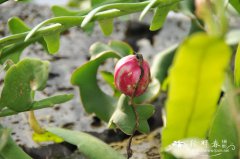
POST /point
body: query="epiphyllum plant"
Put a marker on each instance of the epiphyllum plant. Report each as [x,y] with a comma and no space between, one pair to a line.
[194,82]
[124,111]
[132,76]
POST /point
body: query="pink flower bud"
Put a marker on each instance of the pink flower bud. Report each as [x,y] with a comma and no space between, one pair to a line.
[127,73]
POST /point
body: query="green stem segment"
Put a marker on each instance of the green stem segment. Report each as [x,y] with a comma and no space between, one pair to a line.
[60,24]
[34,123]
[129,150]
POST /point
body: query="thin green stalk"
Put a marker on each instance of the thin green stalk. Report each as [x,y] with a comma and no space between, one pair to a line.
[119,6]
[18,46]
[12,39]
[44,103]
[32,120]
[8,112]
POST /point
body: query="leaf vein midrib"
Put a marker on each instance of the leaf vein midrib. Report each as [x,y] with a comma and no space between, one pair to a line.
[195,96]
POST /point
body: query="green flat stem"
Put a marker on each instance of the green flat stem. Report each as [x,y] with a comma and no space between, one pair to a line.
[66,22]
[20,37]
[8,112]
